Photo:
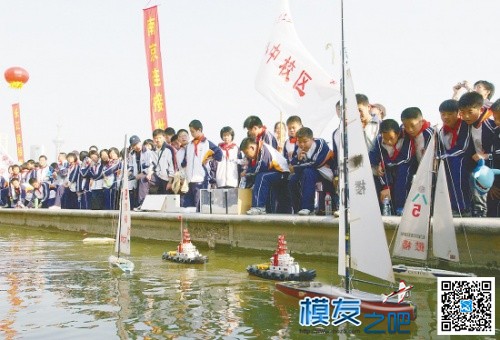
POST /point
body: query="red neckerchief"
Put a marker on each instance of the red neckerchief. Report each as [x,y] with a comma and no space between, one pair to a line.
[293,140]
[260,135]
[227,147]
[395,153]
[425,125]
[196,141]
[453,131]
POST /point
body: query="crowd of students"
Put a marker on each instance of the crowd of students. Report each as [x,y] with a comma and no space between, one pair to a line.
[287,174]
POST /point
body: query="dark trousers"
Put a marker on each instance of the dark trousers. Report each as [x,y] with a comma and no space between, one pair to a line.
[192,197]
[70,200]
[268,185]
[157,186]
[97,200]
[109,199]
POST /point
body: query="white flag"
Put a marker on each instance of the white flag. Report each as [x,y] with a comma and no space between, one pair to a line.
[5,162]
[292,80]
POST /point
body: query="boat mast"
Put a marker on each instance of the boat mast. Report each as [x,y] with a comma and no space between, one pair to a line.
[435,167]
[120,212]
[345,193]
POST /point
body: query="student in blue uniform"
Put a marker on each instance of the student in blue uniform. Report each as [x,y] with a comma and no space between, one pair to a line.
[393,163]
[257,130]
[40,195]
[4,192]
[293,124]
[85,177]
[491,143]
[456,150]
[269,170]
[311,163]
[110,177]
[96,181]
[417,129]
[472,111]
[73,181]
[16,194]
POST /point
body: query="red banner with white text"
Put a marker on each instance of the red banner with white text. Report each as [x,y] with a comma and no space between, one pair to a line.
[18,131]
[155,71]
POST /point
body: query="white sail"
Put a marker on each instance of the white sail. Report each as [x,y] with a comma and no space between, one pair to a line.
[369,249]
[122,244]
[412,239]
[444,241]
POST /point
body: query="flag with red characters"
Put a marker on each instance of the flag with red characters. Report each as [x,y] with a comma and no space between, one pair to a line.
[291,79]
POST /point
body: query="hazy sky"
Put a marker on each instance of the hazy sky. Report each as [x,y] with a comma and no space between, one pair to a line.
[86,60]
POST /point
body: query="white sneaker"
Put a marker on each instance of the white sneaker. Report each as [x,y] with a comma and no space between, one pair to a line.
[304,212]
[256,211]
[55,207]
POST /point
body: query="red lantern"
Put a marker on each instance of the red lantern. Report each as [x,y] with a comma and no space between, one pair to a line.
[16,76]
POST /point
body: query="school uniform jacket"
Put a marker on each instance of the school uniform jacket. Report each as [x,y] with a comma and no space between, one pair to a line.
[73,178]
[109,173]
[85,175]
[399,164]
[42,193]
[227,169]
[268,160]
[289,148]
[335,149]
[197,153]
[319,156]
[145,165]
[420,142]
[456,149]
[163,162]
[97,175]
[42,174]
[371,132]
[267,137]
[489,134]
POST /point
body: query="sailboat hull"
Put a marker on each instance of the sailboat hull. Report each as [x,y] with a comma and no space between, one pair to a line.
[426,273]
[124,265]
[370,303]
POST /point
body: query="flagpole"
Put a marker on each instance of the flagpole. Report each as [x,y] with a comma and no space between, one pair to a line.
[346,156]
[281,134]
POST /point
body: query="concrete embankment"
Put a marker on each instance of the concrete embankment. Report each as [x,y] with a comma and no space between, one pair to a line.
[312,235]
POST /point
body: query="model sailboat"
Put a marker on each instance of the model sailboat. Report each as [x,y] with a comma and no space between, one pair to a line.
[122,243]
[362,242]
[412,238]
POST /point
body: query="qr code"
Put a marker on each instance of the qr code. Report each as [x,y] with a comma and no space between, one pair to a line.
[466,306]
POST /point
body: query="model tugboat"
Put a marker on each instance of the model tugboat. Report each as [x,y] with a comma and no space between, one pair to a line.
[186,252]
[281,266]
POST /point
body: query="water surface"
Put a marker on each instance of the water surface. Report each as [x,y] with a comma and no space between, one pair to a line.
[54,286]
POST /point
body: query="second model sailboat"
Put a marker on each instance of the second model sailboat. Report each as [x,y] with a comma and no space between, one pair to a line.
[412,238]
